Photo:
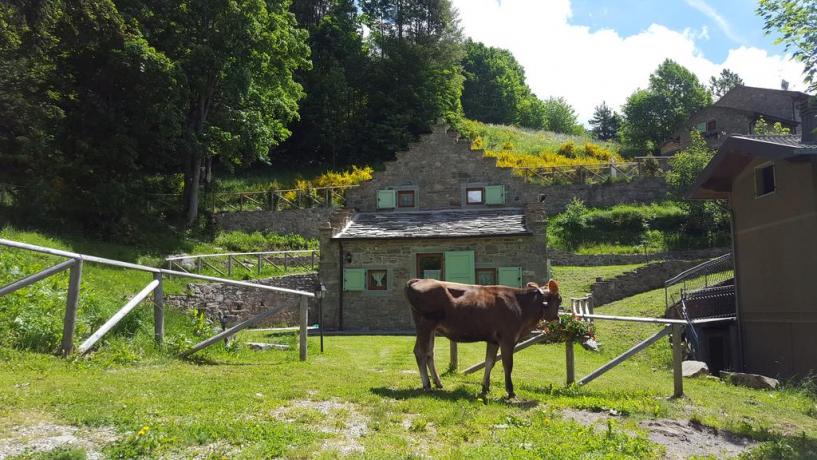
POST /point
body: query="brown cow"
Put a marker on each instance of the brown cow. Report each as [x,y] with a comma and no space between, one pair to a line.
[498,315]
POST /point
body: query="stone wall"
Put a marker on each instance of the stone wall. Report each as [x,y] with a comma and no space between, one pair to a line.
[642,279]
[244,302]
[304,222]
[388,310]
[558,257]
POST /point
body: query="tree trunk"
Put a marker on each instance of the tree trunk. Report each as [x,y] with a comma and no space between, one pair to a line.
[192,178]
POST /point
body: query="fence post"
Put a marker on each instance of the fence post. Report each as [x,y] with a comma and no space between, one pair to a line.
[304,311]
[570,362]
[453,362]
[158,310]
[677,358]
[71,303]
[259,264]
[327,196]
[229,265]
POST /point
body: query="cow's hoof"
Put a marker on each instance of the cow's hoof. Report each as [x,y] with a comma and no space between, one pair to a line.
[428,388]
[438,386]
[511,396]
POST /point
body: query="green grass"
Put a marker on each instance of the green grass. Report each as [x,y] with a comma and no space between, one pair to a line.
[362,393]
[576,281]
[523,140]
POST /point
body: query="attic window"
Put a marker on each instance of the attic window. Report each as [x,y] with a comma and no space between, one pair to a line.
[764,180]
[475,195]
[405,199]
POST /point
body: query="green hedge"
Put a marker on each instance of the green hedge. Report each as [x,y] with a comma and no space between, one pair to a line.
[659,225]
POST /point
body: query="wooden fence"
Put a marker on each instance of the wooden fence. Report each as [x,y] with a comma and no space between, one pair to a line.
[75,263]
[269,200]
[600,172]
[247,263]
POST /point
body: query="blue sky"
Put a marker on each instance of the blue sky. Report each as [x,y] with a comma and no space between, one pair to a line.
[589,51]
[629,17]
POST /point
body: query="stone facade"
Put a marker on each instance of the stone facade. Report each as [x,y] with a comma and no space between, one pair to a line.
[304,222]
[442,165]
[642,279]
[564,258]
[244,302]
[388,310]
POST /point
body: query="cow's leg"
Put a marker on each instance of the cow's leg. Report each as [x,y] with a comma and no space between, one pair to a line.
[490,359]
[507,363]
[421,352]
[432,369]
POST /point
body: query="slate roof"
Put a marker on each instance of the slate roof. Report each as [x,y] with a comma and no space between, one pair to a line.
[788,140]
[449,223]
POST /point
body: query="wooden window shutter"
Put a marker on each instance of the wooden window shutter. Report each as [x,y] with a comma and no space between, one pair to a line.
[510,276]
[495,194]
[386,199]
[459,267]
[354,279]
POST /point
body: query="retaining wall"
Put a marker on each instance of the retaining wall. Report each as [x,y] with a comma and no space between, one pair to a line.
[304,222]
[244,302]
[642,279]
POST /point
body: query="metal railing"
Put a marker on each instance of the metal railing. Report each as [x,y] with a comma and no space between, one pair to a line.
[706,279]
[75,263]
[248,263]
[269,200]
[599,172]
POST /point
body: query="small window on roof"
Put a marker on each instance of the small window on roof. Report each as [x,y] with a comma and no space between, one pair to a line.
[405,199]
[475,195]
[764,180]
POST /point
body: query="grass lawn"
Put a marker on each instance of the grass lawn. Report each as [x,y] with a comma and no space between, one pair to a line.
[131,399]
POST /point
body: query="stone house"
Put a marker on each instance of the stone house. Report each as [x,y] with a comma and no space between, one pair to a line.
[737,112]
[770,184]
[439,211]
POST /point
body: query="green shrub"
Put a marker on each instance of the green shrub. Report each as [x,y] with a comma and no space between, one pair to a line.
[257,241]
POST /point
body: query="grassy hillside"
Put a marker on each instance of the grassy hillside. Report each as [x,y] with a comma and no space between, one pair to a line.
[516,147]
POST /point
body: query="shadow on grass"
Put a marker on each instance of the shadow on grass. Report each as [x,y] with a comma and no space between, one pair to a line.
[461,393]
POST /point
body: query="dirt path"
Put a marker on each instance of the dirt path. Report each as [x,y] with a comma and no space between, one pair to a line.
[681,438]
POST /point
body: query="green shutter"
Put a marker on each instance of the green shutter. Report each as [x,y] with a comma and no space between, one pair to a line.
[459,267]
[701,127]
[510,276]
[386,199]
[495,194]
[354,279]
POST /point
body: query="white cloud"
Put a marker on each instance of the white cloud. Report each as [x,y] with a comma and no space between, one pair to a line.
[713,14]
[586,67]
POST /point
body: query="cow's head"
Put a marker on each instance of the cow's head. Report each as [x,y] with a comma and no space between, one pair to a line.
[550,298]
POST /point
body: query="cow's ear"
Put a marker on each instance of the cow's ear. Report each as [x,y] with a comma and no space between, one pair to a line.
[553,286]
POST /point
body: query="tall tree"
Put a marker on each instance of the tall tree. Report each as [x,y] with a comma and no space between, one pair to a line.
[237,59]
[561,117]
[605,122]
[494,86]
[652,115]
[796,22]
[724,82]
[333,113]
[415,76]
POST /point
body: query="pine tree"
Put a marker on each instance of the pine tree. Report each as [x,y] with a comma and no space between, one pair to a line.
[605,122]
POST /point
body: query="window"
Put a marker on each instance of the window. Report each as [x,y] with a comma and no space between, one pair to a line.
[376,280]
[430,266]
[475,195]
[711,125]
[405,199]
[764,180]
[486,276]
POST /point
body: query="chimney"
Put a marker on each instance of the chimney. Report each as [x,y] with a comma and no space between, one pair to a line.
[808,122]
